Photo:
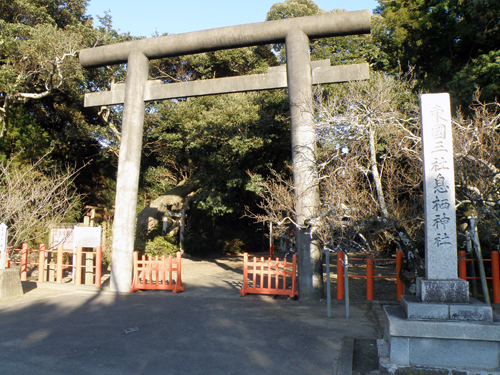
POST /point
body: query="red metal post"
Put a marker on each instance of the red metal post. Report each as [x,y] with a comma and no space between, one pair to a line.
[269,275]
[161,265]
[24,262]
[495,271]
[271,250]
[150,270]
[178,284]
[254,277]
[340,275]
[399,282]
[294,275]
[369,279]
[462,265]
[154,269]
[59,263]
[41,263]
[276,276]
[78,273]
[262,275]
[163,268]
[243,291]
[98,266]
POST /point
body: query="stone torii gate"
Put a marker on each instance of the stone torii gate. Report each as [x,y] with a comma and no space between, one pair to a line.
[299,76]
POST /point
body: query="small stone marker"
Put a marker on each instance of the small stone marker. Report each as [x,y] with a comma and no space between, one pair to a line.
[10,282]
[3,245]
[441,283]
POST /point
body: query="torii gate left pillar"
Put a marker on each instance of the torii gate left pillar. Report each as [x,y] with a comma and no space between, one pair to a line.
[127,180]
[295,33]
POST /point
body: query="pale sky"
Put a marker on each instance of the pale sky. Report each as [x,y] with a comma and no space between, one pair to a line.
[145,17]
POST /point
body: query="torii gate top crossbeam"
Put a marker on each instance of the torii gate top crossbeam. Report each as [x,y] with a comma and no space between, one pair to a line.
[326,25]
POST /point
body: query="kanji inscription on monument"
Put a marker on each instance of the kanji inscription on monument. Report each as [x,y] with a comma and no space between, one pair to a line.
[440,283]
[439,187]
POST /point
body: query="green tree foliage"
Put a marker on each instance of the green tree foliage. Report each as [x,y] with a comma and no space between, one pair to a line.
[214,140]
[340,50]
[40,41]
[452,45]
[42,86]
[293,8]
[24,136]
[233,62]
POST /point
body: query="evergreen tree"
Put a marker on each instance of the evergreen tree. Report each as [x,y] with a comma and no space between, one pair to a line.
[451,45]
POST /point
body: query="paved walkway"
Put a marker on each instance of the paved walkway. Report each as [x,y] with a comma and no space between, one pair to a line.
[208,329]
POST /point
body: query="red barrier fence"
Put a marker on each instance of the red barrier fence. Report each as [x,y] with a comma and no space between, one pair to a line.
[462,273]
[157,274]
[269,276]
[45,267]
[369,274]
[495,272]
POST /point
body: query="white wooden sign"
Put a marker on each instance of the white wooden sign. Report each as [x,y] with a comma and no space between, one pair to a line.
[86,237]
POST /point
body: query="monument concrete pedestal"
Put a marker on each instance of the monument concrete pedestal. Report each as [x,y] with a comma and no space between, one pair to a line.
[440,330]
[440,338]
[10,283]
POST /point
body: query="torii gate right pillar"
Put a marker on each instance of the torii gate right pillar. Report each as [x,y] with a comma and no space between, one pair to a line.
[305,174]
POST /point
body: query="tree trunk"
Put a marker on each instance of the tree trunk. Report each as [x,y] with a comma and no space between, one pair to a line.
[376,175]
[3,118]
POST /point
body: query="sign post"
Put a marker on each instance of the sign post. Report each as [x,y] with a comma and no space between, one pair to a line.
[86,237]
[3,245]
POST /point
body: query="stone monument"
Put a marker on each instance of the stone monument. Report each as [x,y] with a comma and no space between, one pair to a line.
[10,279]
[298,76]
[440,330]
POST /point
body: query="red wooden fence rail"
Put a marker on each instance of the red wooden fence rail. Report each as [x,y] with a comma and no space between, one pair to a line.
[269,276]
[495,272]
[59,265]
[157,274]
[462,273]
[369,274]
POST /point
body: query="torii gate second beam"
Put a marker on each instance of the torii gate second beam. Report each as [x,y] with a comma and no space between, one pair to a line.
[299,79]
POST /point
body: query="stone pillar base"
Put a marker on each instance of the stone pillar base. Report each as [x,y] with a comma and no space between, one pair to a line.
[450,291]
[441,338]
[10,283]
[387,368]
